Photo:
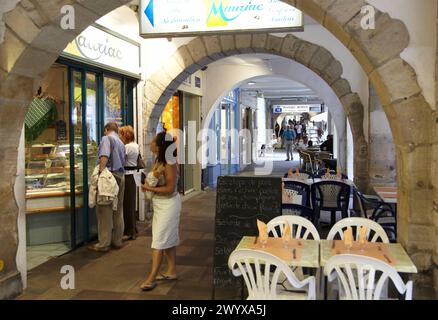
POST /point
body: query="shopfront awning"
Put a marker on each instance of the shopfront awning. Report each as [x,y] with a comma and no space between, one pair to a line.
[42,113]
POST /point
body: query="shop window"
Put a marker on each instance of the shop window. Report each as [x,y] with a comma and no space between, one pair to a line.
[113,100]
[62,129]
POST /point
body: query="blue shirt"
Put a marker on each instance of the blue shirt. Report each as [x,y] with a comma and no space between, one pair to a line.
[289,135]
[116,156]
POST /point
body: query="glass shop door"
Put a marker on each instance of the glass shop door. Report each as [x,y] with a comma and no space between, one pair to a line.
[84,135]
[95,99]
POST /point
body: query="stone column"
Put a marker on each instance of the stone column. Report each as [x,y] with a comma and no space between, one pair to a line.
[382,158]
[329,123]
[435,170]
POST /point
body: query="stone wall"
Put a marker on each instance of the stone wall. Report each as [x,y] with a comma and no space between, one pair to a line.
[435,169]
[5,6]
[32,41]
[381,145]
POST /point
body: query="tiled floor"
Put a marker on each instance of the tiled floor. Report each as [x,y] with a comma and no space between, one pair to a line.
[275,164]
[118,274]
[37,255]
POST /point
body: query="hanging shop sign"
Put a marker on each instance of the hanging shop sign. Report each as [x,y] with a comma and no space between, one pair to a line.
[102,47]
[182,18]
[297,108]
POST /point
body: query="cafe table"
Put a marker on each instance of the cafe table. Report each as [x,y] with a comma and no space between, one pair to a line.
[399,259]
[309,252]
[402,261]
[297,199]
[308,257]
[312,181]
[387,194]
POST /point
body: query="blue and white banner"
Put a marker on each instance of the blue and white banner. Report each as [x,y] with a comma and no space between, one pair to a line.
[172,18]
[296,108]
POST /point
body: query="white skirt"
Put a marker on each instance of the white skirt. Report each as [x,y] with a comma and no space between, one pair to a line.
[165,222]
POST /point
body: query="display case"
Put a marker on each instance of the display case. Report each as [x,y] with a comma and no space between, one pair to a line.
[48,178]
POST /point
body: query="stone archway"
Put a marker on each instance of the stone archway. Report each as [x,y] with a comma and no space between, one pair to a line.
[204,50]
[378,51]
[286,69]
[33,40]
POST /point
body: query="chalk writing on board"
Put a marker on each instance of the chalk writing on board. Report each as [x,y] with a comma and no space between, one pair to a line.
[240,202]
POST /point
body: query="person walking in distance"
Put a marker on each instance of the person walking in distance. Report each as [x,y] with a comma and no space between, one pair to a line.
[289,138]
[110,225]
[299,130]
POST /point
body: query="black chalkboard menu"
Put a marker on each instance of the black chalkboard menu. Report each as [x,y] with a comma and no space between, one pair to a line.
[240,202]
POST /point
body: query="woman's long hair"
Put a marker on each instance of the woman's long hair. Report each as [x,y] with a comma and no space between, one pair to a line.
[164,141]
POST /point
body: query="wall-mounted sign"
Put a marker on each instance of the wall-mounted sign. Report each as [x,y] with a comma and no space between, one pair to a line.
[188,81]
[101,47]
[197,82]
[296,108]
[182,18]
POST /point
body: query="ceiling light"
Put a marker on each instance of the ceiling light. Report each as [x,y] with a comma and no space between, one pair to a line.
[252,83]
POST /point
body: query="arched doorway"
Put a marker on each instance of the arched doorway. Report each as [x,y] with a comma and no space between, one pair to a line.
[37,37]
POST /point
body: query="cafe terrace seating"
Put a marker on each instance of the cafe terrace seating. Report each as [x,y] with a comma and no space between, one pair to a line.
[262,271]
[364,278]
[354,276]
[307,159]
[300,227]
[371,207]
[321,173]
[300,190]
[298,210]
[375,232]
[332,196]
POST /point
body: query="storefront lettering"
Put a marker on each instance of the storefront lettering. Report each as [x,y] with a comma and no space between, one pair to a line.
[218,17]
[94,51]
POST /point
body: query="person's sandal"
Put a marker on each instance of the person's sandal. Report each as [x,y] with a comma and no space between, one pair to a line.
[148,287]
[162,277]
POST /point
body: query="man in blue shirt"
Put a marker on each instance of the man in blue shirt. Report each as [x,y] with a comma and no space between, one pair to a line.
[110,224]
[289,137]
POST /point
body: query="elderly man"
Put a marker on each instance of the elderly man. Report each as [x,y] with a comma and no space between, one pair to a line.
[110,225]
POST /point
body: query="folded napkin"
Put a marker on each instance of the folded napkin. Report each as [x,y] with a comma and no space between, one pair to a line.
[348,237]
[287,236]
[263,229]
[363,235]
[297,173]
[291,172]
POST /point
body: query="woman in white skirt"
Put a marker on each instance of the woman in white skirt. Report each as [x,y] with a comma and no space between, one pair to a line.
[166,203]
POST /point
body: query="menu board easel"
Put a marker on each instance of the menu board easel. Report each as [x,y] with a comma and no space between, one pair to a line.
[240,202]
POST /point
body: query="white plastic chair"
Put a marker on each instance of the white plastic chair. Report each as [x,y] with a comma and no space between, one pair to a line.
[297,225]
[364,278]
[255,267]
[378,234]
[342,225]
